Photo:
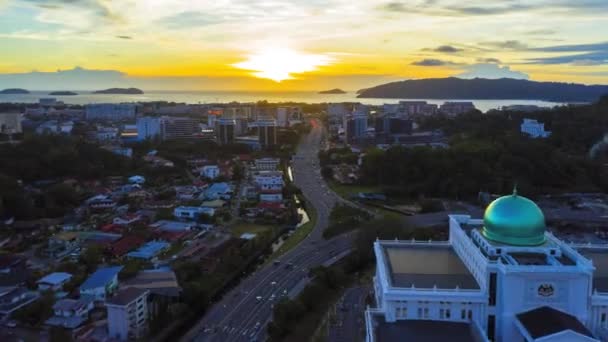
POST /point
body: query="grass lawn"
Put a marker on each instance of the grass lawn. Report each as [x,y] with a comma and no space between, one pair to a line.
[241,228]
[298,235]
[347,191]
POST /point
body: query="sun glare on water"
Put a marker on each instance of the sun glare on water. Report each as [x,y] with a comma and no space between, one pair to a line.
[280,64]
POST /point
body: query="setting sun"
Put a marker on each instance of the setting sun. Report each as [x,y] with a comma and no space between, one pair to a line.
[280,64]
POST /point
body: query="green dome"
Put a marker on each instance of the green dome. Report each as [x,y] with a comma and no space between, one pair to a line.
[514,220]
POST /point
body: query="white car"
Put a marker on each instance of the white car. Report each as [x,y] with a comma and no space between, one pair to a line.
[258,297]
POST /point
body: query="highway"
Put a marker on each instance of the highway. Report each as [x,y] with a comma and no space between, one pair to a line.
[243,313]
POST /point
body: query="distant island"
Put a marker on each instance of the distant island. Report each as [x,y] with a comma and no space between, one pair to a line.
[128,91]
[63,93]
[486,89]
[14,91]
[333,91]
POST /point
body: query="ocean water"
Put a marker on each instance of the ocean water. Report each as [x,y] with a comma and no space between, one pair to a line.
[195,97]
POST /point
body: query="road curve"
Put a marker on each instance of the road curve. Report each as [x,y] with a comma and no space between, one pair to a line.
[242,314]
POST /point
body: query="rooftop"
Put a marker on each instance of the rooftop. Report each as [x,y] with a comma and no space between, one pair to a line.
[162,283]
[101,277]
[149,250]
[55,278]
[545,321]
[126,296]
[425,331]
[600,261]
[427,267]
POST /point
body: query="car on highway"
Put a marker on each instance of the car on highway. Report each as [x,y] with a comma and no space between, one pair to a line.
[258,297]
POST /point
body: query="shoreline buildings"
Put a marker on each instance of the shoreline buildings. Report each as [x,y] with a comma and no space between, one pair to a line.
[502,278]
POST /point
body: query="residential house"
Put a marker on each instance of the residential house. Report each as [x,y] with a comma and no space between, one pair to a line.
[128,243]
[71,313]
[149,250]
[101,202]
[127,219]
[101,283]
[137,179]
[218,191]
[192,213]
[13,270]
[13,298]
[128,314]
[161,283]
[53,281]
[62,244]
[271,197]
[210,171]
[173,226]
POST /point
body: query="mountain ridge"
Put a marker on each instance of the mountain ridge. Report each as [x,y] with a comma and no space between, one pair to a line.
[485,89]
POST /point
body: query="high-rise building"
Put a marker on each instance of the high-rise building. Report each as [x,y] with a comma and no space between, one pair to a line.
[128,314]
[267,132]
[286,116]
[110,111]
[167,128]
[356,125]
[225,131]
[179,128]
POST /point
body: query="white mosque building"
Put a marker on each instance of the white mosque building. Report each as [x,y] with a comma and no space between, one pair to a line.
[502,279]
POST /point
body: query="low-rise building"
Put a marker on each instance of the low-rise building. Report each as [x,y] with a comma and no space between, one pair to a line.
[268,180]
[192,213]
[456,107]
[210,171]
[271,197]
[149,250]
[267,164]
[137,179]
[173,226]
[53,281]
[102,283]
[62,244]
[71,313]
[218,191]
[128,314]
[534,129]
[13,298]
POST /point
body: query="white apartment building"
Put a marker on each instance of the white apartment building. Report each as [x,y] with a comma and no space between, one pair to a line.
[269,180]
[166,128]
[192,213]
[267,164]
[534,129]
[128,314]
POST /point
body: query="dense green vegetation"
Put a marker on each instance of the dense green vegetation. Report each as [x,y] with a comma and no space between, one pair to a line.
[344,218]
[487,153]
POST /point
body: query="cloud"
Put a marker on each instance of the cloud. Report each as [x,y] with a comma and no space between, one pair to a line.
[577,54]
[97,7]
[507,45]
[190,19]
[447,49]
[124,37]
[541,32]
[431,62]
[488,60]
[491,71]
[456,8]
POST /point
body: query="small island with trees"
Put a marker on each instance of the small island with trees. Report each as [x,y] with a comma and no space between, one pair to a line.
[14,91]
[63,93]
[333,91]
[127,91]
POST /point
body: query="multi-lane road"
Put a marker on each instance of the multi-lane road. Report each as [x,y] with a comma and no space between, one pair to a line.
[244,312]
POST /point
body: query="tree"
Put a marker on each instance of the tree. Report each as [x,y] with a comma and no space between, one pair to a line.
[92,257]
[327,172]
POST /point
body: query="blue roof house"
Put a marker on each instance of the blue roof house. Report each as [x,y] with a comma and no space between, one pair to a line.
[149,251]
[101,283]
[217,190]
[53,281]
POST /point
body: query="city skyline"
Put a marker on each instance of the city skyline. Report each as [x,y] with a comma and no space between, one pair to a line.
[296,45]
